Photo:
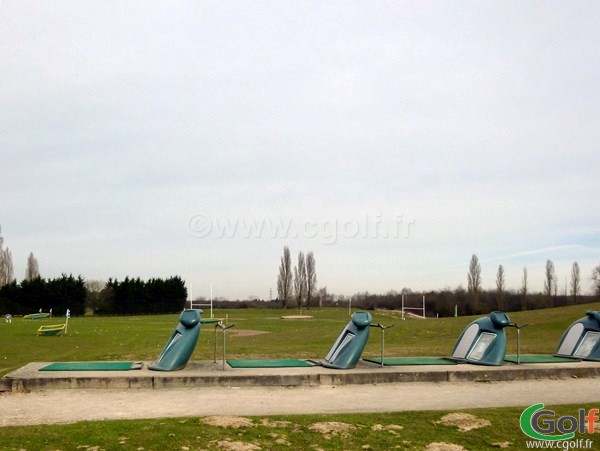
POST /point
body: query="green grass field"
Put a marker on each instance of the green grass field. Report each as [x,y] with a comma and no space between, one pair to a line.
[381,431]
[142,338]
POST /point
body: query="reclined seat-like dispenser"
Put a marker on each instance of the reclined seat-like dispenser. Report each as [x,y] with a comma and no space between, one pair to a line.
[483,342]
[181,344]
[582,339]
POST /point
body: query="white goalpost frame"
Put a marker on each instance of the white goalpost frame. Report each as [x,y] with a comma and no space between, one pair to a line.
[422,309]
[199,304]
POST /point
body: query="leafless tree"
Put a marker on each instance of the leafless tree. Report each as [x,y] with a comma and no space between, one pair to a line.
[284,280]
[6,264]
[575,281]
[549,281]
[33,268]
[500,287]
[323,296]
[596,280]
[524,289]
[311,278]
[300,280]
[474,281]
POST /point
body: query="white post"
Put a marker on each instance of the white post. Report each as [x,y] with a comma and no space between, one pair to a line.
[402,306]
[211,308]
[423,306]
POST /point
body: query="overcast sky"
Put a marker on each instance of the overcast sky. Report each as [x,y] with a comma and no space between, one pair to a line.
[393,139]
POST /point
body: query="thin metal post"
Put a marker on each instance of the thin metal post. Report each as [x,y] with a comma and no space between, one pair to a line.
[215,345]
[516,326]
[224,328]
[383,328]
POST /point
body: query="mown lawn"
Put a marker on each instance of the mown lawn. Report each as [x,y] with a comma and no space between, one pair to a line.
[143,337]
[495,429]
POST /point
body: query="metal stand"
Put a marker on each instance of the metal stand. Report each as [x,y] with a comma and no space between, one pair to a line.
[223,327]
[383,328]
[516,326]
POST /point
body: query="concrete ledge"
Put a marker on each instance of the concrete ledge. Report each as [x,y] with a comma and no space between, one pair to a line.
[5,384]
[209,374]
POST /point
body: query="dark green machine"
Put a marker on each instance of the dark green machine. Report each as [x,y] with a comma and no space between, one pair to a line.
[181,344]
[483,342]
[350,344]
[582,339]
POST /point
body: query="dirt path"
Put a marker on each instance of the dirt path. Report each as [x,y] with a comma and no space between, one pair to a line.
[68,406]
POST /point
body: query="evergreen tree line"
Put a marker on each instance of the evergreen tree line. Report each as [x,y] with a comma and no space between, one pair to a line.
[127,297]
[29,296]
[136,296]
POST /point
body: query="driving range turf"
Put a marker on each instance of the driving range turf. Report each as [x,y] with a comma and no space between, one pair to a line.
[261,334]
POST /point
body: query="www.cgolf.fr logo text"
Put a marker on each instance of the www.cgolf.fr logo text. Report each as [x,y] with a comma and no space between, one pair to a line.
[541,424]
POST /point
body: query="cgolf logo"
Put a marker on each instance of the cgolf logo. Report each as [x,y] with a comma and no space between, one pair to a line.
[540,424]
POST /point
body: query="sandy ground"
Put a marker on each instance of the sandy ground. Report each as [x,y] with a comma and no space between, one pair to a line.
[68,406]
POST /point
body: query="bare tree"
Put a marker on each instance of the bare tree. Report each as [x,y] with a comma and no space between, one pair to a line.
[575,281]
[549,279]
[500,287]
[95,294]
[6,264]
[323,296]
[300,280]
[524,289]
[596,280]
[311,278]
[284,280]
[33,268]
[474,281]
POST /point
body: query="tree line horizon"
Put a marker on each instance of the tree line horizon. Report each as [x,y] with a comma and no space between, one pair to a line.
[296,288]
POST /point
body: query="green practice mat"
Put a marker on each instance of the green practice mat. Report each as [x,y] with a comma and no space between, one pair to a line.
[391,361]
[273,363]
[538,359]
[92,366]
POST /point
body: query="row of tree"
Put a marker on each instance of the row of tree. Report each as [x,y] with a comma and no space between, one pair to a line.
[136,296]
[299,284]
[6,265]
[30,296]
[550,284]
[130,296]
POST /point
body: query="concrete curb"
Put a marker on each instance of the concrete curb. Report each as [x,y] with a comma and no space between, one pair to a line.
[207,374]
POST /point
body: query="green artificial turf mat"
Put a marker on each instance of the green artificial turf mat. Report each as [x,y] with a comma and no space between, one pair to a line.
[92,366]
[268,363]
[538,359]
[392,361]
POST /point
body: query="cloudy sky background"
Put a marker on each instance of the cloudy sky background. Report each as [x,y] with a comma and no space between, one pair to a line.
[393,139]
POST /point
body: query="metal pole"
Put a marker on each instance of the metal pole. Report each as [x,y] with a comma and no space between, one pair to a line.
[215,345]
[423,306]
[518,345]
[382,345]
[224,341]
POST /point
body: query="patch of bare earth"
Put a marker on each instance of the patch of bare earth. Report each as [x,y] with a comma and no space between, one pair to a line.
[463,421]
[246,332]
[391,428]
[235,445]
[275,424]
[441,446]
[502,444]
[227,421]
[332,428]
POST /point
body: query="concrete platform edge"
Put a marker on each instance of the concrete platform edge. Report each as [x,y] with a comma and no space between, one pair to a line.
[203,374]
